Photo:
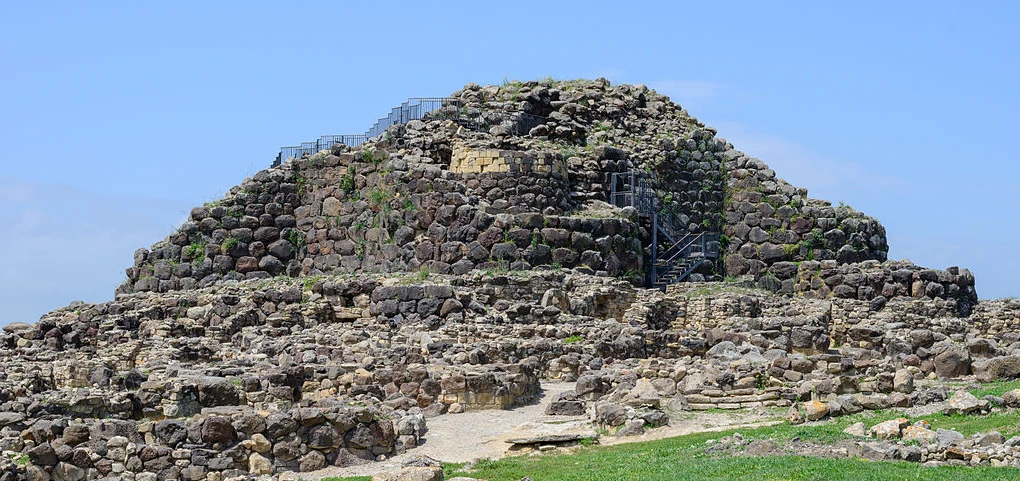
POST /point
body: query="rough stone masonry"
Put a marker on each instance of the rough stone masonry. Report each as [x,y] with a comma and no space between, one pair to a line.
[323,310]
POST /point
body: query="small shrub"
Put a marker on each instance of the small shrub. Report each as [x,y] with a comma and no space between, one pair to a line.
[378,197]
[229,244]
[196,251]
[573,339]
[724,241]
[791,249]
[347,182]
[568,151]
[296,238]
[369,157]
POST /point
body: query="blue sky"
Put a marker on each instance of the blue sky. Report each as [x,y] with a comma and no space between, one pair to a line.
[120,116]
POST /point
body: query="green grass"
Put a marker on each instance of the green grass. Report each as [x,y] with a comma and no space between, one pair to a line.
[416,278]
[996,388]
[684,457]
[1007,423]
[669,464]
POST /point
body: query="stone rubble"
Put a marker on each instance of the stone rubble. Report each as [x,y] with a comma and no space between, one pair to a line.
[323,310]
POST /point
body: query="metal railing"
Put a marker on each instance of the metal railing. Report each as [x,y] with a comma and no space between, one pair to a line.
[422,108]
[516,123]
[693,250]
[415,108]
[687,250]
[634,189]
[437,108]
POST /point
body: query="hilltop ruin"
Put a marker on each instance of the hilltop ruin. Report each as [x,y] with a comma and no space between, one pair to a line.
[325,308]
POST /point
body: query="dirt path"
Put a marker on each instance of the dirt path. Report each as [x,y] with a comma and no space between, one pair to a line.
[467,436]
[482,434]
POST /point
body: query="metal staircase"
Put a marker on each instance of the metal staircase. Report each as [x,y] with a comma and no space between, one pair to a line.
[686,251]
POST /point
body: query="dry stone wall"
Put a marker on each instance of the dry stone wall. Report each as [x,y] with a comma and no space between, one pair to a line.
[338,213]
[434,195]
[323,309]
[222,442]
[406,347]
[701,176]
[770,222]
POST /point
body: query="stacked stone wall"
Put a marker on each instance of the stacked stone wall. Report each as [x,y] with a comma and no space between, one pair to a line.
[221,442]
[337,213]
[770,222]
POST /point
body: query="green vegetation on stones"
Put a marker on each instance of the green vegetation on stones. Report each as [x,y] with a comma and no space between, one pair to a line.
[347,182]
[409,205]
[300,182]
[379,198]
[370,157]
[196,251]
[229,244]
[296,238]
[791,249]
[568,151]
[310,281]
[418,277]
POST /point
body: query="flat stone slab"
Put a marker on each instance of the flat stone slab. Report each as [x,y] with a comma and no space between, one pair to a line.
[553,438]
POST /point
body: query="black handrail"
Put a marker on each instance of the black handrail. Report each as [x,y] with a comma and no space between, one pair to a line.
[415,108]
[684,244]
[643,197]
[687,250]
[421,108]
[705,244]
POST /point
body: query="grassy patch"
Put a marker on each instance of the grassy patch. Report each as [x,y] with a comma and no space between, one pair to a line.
[1007,423]
[21,460]
[684,458]
[416,278]
[996,388]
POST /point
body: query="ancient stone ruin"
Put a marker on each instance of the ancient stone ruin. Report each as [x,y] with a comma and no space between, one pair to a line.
[326,308]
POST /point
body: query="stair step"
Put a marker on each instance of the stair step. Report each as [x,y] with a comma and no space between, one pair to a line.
[638,191]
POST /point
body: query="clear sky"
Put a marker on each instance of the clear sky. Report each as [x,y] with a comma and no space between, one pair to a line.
[117,117]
